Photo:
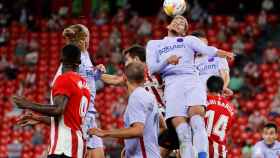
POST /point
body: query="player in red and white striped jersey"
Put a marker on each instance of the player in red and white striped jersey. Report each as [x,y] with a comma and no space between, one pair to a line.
[71,100]
[219,117]
[152,84]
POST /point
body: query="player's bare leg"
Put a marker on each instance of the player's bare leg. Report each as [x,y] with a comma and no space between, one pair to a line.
[200,138]
[95,153]
[184,132]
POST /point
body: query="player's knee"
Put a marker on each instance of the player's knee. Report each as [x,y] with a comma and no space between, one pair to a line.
[196,110]
[197,123]
[184,133]
[176,121]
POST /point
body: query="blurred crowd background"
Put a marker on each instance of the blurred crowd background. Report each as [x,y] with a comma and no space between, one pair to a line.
[30,43]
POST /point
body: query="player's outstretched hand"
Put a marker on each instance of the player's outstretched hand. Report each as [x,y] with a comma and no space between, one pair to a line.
[227,92]
[97,131]
[226,54]
[101,68]
[173,59]
[20,102]
[28,119]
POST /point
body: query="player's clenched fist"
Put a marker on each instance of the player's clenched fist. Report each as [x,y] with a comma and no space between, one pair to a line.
[173,59]
[98,132]
[101,68]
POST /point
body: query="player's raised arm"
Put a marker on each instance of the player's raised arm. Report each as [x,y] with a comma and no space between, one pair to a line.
[136,117]
[136,130]
[57,109]
[112,79]
[224,73]
[199,46]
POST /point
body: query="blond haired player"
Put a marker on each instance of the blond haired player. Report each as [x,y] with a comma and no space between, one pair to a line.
[78,35]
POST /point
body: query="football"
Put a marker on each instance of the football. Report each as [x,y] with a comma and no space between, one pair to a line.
[174,7]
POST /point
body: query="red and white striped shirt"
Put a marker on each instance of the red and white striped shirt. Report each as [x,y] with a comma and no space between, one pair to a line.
[219,119]
[66,130]
[154,85]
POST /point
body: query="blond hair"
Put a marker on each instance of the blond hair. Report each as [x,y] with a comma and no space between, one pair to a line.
[75,34]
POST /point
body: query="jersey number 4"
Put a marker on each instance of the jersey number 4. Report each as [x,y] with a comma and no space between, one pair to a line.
[218,127]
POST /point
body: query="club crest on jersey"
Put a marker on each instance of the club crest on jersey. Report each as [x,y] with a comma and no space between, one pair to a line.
[211,59]
[180,40]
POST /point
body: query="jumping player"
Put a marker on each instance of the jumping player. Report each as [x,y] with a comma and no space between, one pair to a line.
[173,58]
[269,147]
[71,100]
[141,118]
[218,119]
[79,35]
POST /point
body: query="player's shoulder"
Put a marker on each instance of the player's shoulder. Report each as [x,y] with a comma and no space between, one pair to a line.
[73,77]
[191,37]
[277,143]
[259,144]
[140,94]
[140,91]
[153,43]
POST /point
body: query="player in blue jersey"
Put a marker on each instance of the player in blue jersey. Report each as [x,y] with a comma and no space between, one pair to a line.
[269,147]
[141,118]
[173,58]
[212,65]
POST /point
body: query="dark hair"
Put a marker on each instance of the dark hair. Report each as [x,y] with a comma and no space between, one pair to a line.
[136,51]
[135,72]
[271,125]
[215,84]
[198,34]
[71,55]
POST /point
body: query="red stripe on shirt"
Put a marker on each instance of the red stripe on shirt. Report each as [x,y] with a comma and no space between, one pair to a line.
[143,150]
[211,150]
[155,90]
[74,144]
[85,147]
[55,136]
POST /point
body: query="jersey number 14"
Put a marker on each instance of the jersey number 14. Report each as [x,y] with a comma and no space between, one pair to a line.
[218,127]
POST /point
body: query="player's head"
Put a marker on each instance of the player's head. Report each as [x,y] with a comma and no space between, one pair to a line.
[71,57]
[270,133]
[201,35]
[178,26]
[215,84]
[78,35]
[134,53]
[134,73]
